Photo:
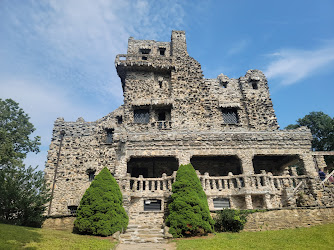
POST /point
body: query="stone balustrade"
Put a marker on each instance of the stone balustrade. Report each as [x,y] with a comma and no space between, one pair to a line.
[162,125]
[214,185]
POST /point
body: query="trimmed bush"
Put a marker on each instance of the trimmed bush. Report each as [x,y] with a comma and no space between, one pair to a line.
[230,220]
[189,213]
[101,211]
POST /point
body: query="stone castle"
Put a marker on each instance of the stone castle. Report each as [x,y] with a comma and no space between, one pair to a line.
[226,128]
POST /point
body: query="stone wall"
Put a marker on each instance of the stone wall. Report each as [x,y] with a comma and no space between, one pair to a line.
[62,223]
[289,218]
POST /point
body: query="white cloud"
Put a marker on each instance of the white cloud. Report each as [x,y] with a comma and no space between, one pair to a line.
[292,66]
[62,55]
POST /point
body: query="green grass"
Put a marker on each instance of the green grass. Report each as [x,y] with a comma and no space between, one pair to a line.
[15,237]
[317,237]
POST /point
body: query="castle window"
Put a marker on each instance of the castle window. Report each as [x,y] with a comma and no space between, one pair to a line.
[152,205]
[221,203]
[141,116]
[145,51]
[162,116]
[110,136]
[230,115]
[162,51]
[254,85]
[224,85]
[119,119]
[160,84]
[91,174]
[73,209]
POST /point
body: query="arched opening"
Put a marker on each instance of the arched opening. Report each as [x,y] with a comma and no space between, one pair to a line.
[278,164]
[152,167]
[217,165]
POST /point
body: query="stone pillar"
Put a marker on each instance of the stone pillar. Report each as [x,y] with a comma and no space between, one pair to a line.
[247,163]
[267,201]
[309,164]
[184,158]
[121,167]
[249,202]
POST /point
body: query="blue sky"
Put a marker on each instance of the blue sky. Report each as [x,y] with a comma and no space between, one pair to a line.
[57,57]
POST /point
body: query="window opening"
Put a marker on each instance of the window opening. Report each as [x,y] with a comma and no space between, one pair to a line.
[162,116]
[141,116]
[73,209]
[91,174]
[145,51]
[110,136]
[162,51]
[160,84]
[224,85]
[230,116]
[254,85]
[221,203]
[119,119]
[152,205]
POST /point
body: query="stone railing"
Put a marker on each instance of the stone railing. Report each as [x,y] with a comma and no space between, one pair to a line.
[143,59]
[162,125]
[215,185]
[141,185]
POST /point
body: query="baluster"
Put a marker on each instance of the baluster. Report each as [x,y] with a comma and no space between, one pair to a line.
[238,183]
[220,184]
[140,183]
[164,181]
[147,187]
[214,184]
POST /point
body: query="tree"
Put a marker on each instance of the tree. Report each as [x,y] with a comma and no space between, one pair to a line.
[100,211]
[15,131]
[322,129]
[23,192]
[23,196]
[189,213]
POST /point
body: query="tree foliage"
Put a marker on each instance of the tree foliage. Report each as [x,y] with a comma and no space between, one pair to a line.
[189,213]
[23,192]
[15,131]
[322,129]
[230,220]
[100,211]
[23,196]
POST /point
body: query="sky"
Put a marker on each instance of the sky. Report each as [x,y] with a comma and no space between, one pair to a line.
[57,56]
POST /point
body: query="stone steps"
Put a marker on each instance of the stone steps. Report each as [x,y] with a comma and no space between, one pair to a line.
[143,234]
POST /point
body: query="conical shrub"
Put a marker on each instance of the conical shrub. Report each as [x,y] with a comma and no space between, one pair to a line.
[189,213]
[100,211]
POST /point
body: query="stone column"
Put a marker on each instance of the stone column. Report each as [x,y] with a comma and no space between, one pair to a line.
[309,164]
[121,167]
[183,157]
[249,202]
[247,163]
[267,201]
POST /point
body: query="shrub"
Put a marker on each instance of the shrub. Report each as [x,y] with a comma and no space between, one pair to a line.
[101,211]
[189,213]
[230,220]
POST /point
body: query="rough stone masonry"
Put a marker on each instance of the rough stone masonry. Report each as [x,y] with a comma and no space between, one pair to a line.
[227,128]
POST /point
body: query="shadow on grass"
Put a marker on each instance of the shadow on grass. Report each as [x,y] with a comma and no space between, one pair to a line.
[16,237]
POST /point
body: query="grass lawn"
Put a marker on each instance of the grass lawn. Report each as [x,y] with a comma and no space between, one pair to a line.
[317,237]
[15,237]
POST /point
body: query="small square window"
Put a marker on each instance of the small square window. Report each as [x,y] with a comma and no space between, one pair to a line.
[230,116]
[145,51]
[73,209]
[119,119]
[141,116]
[110,136]
[162,51]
